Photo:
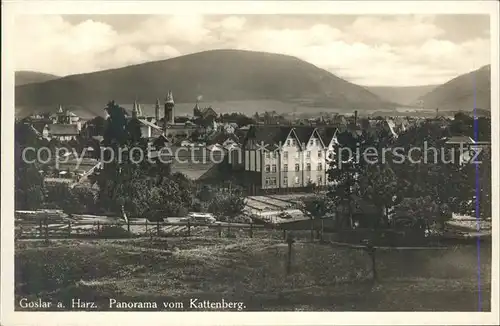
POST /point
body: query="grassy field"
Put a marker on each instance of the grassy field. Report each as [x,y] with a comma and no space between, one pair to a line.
[252,271]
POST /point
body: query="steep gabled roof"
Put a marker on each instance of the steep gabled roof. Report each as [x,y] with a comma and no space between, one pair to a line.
[304,133]
[221,137]
[327,133]
[268,135]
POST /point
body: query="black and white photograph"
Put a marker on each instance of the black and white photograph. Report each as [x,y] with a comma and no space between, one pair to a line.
[204,161]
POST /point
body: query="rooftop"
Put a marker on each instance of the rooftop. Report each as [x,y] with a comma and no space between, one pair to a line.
[63,129]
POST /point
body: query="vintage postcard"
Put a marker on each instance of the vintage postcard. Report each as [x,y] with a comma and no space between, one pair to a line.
[249,163]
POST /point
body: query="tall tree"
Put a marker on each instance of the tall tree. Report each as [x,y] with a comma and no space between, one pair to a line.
[484,184]
[378,185]
[316,207]
[228,206]
[29,182]
[418,213]
[347,166]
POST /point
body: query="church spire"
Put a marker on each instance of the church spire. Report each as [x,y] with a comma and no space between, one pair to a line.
[170,98]
[135,110]
[139,110]
[169,117]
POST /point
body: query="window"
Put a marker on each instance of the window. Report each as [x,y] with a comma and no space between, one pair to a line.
[296,180]
[308,154]
[308,167]
[297,167]
[268,168]
[285,167]
[320,154]
[285,155]
[267,181]
[273,182]
[271,154]
[293,142]
[274,168]
[311,142]
[267,155]
[285,181]
[288,142]
[320,166]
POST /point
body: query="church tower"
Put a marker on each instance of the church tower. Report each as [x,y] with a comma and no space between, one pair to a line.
[135,110]
[169,109]
[157,110]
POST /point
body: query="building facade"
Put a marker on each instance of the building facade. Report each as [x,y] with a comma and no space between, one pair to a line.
[275,157]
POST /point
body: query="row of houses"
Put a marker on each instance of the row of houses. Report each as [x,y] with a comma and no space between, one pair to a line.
[274,157]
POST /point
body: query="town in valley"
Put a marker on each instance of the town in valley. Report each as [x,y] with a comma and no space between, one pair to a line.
[238,177]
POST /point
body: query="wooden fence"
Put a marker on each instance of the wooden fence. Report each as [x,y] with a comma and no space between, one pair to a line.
[47,229]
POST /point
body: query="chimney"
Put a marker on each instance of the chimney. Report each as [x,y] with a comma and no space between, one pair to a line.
[355,117]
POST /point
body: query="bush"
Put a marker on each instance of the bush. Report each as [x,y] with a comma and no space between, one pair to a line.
[78,200]
[114,231]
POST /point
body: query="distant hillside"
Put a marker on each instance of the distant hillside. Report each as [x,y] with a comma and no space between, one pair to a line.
[462,92]
[219,75]
[406,95]
[30,77]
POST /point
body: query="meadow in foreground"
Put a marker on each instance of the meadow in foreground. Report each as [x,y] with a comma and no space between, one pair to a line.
[252,271]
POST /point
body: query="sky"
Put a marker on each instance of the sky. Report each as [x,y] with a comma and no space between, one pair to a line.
[392,50]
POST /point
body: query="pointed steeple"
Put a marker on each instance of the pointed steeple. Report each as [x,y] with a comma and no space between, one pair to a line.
[135,110]
[196,107]
[170,98]
[60,110]
[139,110]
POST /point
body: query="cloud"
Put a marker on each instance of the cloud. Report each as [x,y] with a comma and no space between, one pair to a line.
[48,43]
[369,50]
[400,30]
[162,51]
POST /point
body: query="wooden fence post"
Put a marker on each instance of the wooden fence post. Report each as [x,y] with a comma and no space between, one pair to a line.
[69,228]
[98,228]
[128,226]
[46,229]
[322,229]
[370,249]
[284,234]
[189,229]
[158,228]
[290,242]
[146,224]
[41,228]
[251,230]
[219,228]
[312,229]
[374,266]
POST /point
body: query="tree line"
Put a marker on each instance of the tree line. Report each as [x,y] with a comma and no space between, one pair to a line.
[393,194]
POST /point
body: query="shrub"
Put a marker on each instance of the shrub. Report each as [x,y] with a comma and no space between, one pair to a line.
[78,200]
[114,231]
